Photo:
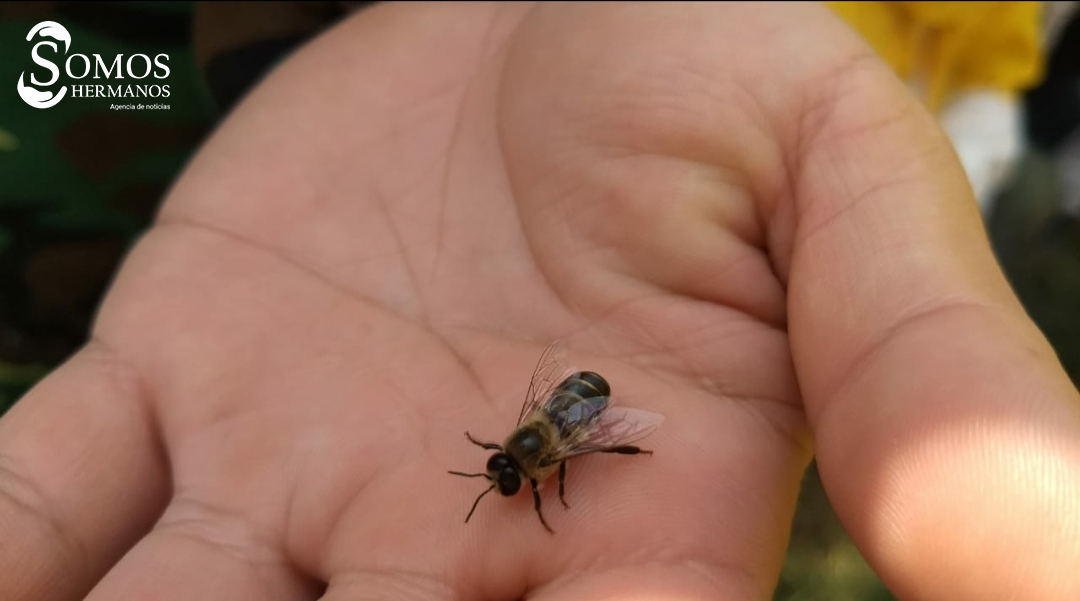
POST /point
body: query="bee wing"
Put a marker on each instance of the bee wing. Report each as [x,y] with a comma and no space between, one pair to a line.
[617,426]
[550,369]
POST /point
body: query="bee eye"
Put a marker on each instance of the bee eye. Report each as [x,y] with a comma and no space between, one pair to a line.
[509,482]
[498,463]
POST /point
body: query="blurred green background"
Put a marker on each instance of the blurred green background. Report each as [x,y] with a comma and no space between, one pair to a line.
[78,182]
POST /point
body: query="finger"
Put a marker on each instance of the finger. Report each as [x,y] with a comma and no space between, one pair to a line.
[81,478]
[659,581]
[377,586]
[947,433]
[199,552]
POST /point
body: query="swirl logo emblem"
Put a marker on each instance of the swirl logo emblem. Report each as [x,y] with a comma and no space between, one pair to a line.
[43,99]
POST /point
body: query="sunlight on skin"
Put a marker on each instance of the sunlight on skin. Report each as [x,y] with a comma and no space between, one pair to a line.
[970,462]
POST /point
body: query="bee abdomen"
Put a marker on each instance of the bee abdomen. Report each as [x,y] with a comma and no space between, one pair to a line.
[585,384]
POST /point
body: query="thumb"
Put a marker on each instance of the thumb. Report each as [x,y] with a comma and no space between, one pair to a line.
[948,435]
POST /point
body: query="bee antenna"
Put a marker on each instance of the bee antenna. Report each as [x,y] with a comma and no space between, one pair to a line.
[477,502]
[468,475]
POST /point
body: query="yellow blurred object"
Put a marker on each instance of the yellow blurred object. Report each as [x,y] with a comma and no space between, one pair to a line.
[941,48]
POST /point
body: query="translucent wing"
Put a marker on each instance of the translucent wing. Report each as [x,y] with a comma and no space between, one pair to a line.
[617,426]
[550,370]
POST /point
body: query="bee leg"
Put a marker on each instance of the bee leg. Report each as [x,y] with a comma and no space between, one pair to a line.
[536,504]
[487,445]
[562,478]
[626,450]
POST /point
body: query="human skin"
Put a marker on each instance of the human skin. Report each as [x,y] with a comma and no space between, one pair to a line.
[733,211]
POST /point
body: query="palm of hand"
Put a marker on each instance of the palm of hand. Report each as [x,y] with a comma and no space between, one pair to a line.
[317,341]
[369,257]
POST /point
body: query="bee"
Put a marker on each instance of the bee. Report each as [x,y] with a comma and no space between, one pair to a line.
[566,414]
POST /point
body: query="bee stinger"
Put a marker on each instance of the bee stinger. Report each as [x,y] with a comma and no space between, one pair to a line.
[566,414]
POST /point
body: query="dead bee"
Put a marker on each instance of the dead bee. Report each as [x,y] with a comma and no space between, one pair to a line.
[566,414]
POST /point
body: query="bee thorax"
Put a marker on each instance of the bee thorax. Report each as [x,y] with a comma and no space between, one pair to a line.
[525,442]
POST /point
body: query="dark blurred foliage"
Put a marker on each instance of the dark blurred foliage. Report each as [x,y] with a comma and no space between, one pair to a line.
[1036,239]
[79,182]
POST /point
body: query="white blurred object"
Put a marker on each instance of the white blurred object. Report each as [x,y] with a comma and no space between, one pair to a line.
[986,129]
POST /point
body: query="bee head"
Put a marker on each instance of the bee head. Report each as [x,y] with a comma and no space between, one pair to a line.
[504,474]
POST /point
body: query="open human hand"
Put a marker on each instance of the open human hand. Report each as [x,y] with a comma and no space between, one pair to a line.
[733,212]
